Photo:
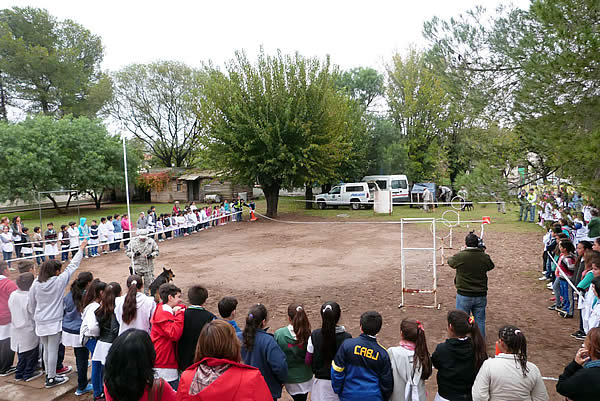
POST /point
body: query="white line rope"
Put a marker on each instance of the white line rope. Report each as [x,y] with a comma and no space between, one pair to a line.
[407,220]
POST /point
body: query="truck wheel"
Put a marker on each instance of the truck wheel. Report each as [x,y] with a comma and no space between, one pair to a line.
[322,205]
[354,204]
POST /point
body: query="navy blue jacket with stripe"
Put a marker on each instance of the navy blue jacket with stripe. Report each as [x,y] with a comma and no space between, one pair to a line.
[362,370]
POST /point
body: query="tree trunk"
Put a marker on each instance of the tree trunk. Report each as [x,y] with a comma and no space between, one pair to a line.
[325,188]
[55,204]
[69,201]
[3,112]
[272,197]
[308,195]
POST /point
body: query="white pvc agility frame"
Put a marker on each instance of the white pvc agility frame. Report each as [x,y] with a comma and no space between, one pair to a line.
[433,249]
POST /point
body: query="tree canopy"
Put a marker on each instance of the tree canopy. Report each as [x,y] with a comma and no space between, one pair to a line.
[46,154]
[155,103]
[49,66]
[280,122]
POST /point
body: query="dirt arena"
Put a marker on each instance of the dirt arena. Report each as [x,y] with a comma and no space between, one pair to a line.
[359,267]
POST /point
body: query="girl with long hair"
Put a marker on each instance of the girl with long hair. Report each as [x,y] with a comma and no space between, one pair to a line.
[107,322]
[322,347]
[46,303]
[260,350]
[71,326]
[129,370]
[411,363]
[218,357]
[90,330]
[134,309]
[509,376]
[293,340]
[459,358]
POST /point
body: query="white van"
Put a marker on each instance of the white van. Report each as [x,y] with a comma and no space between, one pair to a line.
[398,184]
[354,194]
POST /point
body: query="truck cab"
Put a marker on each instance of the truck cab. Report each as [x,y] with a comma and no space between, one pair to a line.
[355,195]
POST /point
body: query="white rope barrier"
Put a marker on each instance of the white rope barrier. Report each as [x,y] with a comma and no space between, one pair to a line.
[99,244]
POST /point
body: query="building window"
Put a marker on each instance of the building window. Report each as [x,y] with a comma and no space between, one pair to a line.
[179,186]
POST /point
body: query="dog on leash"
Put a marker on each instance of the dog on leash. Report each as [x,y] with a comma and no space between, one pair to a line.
[166,276]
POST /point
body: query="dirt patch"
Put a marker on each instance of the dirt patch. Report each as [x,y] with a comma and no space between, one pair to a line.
[359,267]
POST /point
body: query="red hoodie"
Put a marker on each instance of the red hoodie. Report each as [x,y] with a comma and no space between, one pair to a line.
[238,383]
[166,331]
[7,286]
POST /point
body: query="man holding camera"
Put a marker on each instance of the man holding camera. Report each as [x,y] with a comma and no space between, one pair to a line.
[472,265]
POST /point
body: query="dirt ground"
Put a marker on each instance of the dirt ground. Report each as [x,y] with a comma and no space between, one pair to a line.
[359,267]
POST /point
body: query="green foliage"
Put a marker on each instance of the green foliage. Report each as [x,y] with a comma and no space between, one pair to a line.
[419,108]
[45,154]
[280,122]
[154,102]
[50,66]
[363,84]
[536,70]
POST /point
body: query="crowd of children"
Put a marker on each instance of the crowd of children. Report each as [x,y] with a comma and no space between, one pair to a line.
[571,264]
[18,242]
[191,349]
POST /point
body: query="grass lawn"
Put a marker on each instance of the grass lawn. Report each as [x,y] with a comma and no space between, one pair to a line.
[294,205]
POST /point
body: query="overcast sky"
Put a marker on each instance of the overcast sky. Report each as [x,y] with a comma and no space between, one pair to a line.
[354,33]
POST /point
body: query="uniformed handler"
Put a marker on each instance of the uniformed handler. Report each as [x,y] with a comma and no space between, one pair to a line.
[143,250]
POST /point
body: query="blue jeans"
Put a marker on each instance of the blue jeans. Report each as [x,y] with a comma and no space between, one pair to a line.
[39,259]
[475,306]
[566,292]
[7,256]
[97,370]
[531,211]
[523,211]
[64,255]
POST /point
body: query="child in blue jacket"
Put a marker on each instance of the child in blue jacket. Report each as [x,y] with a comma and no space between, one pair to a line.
[361,369]
[259,349]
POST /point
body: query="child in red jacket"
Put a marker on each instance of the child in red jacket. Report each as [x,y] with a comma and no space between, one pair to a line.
[167,327]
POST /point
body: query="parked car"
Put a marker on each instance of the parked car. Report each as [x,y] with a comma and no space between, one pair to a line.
[354,194]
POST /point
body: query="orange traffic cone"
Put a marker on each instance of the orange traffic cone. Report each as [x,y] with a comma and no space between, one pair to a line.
[252,216]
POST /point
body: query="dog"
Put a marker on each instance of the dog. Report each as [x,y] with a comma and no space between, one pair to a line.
[468,205]
[166,276]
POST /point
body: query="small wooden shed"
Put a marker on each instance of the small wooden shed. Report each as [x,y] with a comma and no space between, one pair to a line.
[167,185]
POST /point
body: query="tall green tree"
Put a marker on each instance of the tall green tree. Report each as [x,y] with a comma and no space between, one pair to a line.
[50,66]
[536,70]
[155,103]
[363,84]
[279,121]
[419,107]
[46,154]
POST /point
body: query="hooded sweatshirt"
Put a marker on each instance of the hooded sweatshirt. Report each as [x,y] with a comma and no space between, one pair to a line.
[22,334]
[455,361]
[166,331]
[46,299]
[145,306]
[84,231]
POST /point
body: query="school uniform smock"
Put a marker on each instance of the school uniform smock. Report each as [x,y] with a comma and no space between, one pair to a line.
[145,306]
[268,358]
[167,328]
[501,379]
[580,383]
[222,380]
[455,361]
[22,333]
[408,385]
[168,394]
[46,300]
[299,378]
[362,371]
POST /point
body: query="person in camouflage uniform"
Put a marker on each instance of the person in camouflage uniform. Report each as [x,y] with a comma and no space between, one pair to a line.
[143,250]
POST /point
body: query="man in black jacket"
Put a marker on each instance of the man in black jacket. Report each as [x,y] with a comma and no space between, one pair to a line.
[472,265]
